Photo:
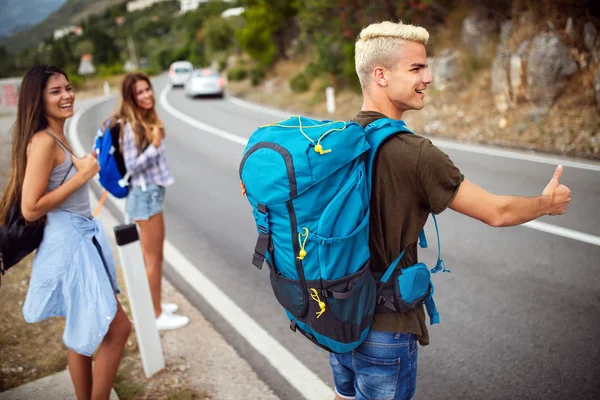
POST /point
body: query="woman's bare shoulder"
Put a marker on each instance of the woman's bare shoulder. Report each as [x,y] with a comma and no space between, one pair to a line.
[42,142]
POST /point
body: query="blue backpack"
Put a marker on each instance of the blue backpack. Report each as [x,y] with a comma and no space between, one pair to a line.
[309,185]
[113,173]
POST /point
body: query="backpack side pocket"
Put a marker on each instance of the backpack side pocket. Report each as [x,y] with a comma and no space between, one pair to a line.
[411,287]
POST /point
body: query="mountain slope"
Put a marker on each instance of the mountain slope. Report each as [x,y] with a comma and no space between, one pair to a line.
[62,17]
[16,15]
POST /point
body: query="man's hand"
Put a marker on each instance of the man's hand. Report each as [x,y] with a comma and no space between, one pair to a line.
[559,195]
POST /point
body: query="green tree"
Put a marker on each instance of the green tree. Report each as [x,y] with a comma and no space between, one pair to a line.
[105,51]
[263,36]
[61,53]
[83,47]
[218,36]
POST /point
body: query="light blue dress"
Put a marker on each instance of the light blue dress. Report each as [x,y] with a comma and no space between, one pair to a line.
[73,273]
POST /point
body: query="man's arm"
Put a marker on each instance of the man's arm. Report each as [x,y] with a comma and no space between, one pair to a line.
[475,202]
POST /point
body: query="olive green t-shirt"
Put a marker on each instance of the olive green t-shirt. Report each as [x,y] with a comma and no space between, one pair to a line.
[411,179]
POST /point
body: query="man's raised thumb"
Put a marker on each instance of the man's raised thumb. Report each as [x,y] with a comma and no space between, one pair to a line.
[557,174]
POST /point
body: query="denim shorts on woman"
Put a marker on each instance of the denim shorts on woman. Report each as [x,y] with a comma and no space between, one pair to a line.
[384,366]
[141,205]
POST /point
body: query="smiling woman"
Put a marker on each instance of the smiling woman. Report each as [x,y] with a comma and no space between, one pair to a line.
[73,273]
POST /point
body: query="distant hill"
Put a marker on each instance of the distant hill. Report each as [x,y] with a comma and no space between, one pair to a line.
[69,13]
[17,15]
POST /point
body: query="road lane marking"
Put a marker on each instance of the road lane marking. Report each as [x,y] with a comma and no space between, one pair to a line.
[514,155]
[564,232]
[539,226]
[293,370]
[195,123]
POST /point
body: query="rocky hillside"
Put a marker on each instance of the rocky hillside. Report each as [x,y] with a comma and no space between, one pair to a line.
[524,82]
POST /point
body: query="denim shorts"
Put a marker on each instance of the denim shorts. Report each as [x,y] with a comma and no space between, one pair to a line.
[384,366]
[141,205]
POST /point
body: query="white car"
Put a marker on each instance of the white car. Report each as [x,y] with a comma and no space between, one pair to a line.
[205,82]
[180,72]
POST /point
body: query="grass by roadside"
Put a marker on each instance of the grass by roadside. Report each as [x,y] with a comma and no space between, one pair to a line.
[93,87]
[29,351]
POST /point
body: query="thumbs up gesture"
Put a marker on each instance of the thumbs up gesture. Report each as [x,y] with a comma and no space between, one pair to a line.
[559,195]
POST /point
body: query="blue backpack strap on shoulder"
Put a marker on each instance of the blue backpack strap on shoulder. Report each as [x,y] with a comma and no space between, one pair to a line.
[377,133]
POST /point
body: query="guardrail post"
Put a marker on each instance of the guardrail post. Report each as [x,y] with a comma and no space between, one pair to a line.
[138,290]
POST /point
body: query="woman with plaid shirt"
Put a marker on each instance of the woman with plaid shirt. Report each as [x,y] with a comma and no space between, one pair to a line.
[143,148]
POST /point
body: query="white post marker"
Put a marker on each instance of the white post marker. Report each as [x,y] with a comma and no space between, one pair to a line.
[106,88]
[330,95]
[138,289]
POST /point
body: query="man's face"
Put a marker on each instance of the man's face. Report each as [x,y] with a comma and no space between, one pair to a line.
[409,78]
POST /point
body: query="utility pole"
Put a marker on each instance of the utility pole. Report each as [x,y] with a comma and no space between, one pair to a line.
[131,48]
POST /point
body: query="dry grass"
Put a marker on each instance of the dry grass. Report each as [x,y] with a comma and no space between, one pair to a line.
[94,87]
[29,351]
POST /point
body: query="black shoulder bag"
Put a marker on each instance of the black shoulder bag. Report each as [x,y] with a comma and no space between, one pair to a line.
[19,238]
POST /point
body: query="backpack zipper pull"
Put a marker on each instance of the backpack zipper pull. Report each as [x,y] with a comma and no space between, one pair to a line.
[315,296]
[302,252]
[319,149]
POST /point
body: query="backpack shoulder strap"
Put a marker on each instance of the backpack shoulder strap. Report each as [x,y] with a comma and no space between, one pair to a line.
[378,132]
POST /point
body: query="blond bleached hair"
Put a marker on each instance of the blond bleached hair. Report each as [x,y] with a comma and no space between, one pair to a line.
[380,45]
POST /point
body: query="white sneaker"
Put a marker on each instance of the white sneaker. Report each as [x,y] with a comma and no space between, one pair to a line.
[170,308]
[167,321]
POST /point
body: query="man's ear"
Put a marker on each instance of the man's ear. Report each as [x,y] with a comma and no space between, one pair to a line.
[379,76]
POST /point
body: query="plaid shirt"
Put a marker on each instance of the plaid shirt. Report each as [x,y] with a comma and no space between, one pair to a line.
[147,167]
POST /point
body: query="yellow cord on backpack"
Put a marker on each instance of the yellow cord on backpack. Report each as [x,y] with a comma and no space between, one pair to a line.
[302,252]
[318,147]
[315,296]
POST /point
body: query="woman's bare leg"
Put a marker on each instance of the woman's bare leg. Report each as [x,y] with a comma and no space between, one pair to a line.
[109,355]
[152,237]
[80,369]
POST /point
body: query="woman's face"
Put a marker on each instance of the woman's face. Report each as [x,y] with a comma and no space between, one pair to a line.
[59,98]
[144,97]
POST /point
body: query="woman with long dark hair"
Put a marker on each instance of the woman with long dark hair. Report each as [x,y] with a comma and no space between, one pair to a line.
[142,135]
[73,272]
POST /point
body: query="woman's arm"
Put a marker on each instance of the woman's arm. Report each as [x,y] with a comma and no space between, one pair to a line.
[35,202]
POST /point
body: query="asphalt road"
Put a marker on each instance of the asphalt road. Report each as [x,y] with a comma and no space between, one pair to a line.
[520,311]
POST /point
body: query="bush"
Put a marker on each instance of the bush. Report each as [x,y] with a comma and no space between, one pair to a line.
[312,71]
[299,83]
[218,35]
[237,74]
[152,70]
[76,80]
[105,71]
[257,74]
[222,64]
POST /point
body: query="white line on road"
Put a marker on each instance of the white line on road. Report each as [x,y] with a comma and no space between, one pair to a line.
[200,125]
[540,226]
[514,155]
[564,232]
[292,369]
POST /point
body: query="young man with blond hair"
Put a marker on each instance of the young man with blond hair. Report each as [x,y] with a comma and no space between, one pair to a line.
[411,179]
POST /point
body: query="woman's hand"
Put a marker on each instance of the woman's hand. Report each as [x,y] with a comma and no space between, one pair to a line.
[158,133]
[87,166]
